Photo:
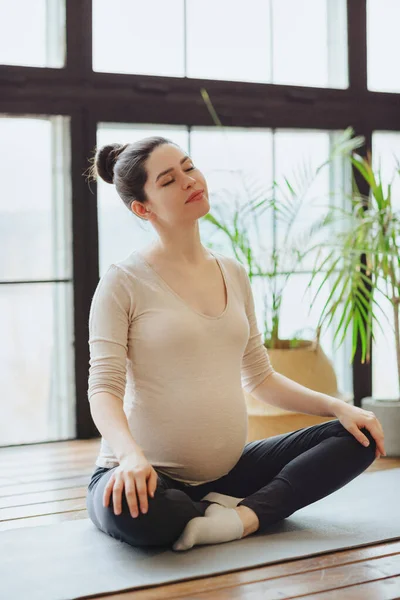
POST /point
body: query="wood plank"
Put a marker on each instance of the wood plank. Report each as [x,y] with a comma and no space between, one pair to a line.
[384,589]
[334,578]
[42,508]
[43,520]
[37,486]
[49,475]
[23,471]
[31,451]
[18,500]
[382,463]
[38,459]
[212,587]
[36,465]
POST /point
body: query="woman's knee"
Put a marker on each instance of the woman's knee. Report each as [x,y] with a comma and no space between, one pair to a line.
[167,515]
[133,530]
[367,453]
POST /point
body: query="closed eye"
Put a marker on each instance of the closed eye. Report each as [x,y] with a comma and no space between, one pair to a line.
[191,169]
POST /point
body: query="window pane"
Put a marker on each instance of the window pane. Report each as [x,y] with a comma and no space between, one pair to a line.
[32,34]
[36,319]
[386,154]
[229,41]
[37,364]
[273,41]
[310,43]
[383,45]
[35,209]
[139,37]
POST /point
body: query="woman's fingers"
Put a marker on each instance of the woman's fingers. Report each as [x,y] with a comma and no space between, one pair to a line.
[375,428]
[135,492]
[130,492]
[377,433]
[152,483]
[107,491]
[136,486]
[141,489]
[117,495]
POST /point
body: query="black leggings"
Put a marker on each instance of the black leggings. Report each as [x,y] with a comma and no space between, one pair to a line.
[276,476]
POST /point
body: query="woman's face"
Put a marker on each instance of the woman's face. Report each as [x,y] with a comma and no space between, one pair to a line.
[168,192]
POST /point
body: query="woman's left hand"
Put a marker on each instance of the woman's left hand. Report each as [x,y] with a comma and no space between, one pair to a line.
[353,418]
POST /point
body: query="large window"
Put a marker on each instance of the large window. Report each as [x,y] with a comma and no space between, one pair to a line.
[36,314]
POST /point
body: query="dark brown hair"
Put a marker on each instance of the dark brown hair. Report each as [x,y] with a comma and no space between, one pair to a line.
[125,166]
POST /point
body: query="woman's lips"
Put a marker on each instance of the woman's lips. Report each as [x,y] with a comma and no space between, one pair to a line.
[197,197]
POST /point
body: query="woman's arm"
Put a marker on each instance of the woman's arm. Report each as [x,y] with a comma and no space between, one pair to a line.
[290,395]
[110,314]
[110,419]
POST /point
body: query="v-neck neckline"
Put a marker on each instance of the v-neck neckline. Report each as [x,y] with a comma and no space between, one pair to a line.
[165,284]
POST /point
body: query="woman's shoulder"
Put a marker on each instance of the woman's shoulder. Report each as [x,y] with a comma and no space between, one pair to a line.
[119,279]
[129,268]
[229,261]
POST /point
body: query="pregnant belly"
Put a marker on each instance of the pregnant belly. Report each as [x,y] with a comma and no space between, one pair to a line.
[200,458]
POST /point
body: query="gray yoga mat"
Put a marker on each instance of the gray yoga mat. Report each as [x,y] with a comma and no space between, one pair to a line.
[73,559]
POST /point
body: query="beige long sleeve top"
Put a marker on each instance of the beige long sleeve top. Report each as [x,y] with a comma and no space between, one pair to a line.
[179,373]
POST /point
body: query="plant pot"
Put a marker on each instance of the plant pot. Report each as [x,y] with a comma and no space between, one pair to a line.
[306,364]
[388,413]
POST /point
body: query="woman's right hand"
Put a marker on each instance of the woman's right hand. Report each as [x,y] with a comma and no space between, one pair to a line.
[137,476]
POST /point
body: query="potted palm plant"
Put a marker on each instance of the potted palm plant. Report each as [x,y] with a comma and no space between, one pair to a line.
[370,227]
[302,360]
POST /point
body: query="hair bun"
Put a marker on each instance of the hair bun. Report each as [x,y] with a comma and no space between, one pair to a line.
[106,158]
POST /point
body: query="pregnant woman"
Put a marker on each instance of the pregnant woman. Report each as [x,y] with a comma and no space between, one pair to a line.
[173,341]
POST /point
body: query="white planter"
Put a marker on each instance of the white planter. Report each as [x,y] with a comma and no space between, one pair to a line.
[388,413]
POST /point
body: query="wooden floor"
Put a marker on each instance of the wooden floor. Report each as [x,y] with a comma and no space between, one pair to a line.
[46,483]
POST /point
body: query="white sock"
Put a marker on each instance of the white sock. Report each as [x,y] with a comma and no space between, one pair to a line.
[228,501]
[219,524]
